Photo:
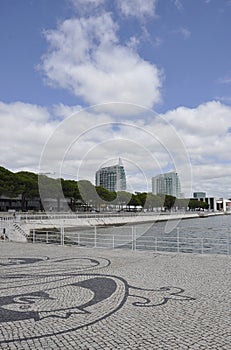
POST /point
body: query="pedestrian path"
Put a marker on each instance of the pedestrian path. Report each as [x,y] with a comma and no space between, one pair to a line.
[63,297]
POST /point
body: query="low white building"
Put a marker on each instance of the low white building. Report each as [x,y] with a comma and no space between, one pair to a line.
[216,204]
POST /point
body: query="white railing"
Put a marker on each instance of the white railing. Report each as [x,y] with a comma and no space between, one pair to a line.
[27,217]
[93,238]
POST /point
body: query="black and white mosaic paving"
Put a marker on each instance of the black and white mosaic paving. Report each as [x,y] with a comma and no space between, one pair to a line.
[54,297]
[44,304]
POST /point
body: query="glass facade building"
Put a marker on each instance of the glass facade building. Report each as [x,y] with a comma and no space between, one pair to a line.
[111,178]
[168,183]
[199,194]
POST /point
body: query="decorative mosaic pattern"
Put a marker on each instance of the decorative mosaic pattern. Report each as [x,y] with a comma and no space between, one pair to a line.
[54,297]
[44,305]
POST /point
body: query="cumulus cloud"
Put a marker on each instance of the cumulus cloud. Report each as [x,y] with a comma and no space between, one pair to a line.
[86,5]
[63,111]
[225,99]
[178,4]
[24,130]
[86,58]
[185,32]
[137,8]
[77,145]
[86,2]
[226,79]
[205,133]
[129,8]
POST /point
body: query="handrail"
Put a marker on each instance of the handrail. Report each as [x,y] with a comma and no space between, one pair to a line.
[93,238]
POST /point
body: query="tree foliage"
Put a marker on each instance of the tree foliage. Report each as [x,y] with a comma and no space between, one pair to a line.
[29,185]
[195,204]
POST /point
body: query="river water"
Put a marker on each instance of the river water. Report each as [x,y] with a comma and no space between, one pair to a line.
[198,235]
[201,235]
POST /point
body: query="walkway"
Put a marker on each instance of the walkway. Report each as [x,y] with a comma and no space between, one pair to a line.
[62,297]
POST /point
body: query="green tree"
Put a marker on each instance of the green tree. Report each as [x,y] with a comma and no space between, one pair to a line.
[182,203]
[8,183]
[195,204]
[123,198]
[153,201]
[141,197]
[169,202]
[105,195]
[135,201]
[27,186]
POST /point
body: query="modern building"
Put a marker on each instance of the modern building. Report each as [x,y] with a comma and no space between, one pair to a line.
[216,204]
[199,194]
[168,183]
[111,178]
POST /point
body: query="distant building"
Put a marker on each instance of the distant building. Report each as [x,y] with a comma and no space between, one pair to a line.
[199,195]
[216,204]
[112,178]
[168,183]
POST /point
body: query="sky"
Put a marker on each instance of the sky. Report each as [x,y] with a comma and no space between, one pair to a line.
[84,82]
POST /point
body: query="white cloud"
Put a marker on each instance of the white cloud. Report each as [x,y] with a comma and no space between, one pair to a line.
[147,144]
[133,42]
[225,99]
[24,130]
[209,119]
[63,111]
[129,8]
[86,58]
[86,2]
[185,32]
[205,133]
[153,41]
[86,5]
[178,4]
[225,80]
[137,8]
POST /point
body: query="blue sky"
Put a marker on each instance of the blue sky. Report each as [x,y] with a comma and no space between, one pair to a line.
[189,42]
[170,56]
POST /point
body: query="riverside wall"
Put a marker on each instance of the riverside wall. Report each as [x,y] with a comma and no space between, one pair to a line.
[20,226]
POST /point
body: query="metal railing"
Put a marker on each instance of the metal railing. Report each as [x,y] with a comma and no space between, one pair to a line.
[95,238]
[27,217]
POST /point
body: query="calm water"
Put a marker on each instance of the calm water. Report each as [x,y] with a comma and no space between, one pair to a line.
[200,235]
[213,226]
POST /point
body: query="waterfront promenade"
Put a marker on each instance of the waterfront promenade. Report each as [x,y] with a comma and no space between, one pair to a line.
[18,227]
[66,297]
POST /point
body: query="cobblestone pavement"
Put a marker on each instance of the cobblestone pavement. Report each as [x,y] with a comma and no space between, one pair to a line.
[54,297]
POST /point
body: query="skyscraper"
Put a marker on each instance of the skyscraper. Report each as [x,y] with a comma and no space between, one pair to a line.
[112,178]
[168,183]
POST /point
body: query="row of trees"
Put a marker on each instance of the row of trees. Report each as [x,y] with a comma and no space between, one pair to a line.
[29,185]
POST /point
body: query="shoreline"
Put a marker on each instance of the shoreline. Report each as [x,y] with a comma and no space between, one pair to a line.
[18,228]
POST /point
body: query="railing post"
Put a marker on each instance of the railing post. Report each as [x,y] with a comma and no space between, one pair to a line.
[46,236]
[78,239]
[202,246]
[95,237]
[228,249]
[134,238]
[178,239]
[156,244]
[33,235]
[113,241]
[4,234]
[62,235]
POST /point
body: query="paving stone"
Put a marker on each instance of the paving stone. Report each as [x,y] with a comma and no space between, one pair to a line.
[54,297]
